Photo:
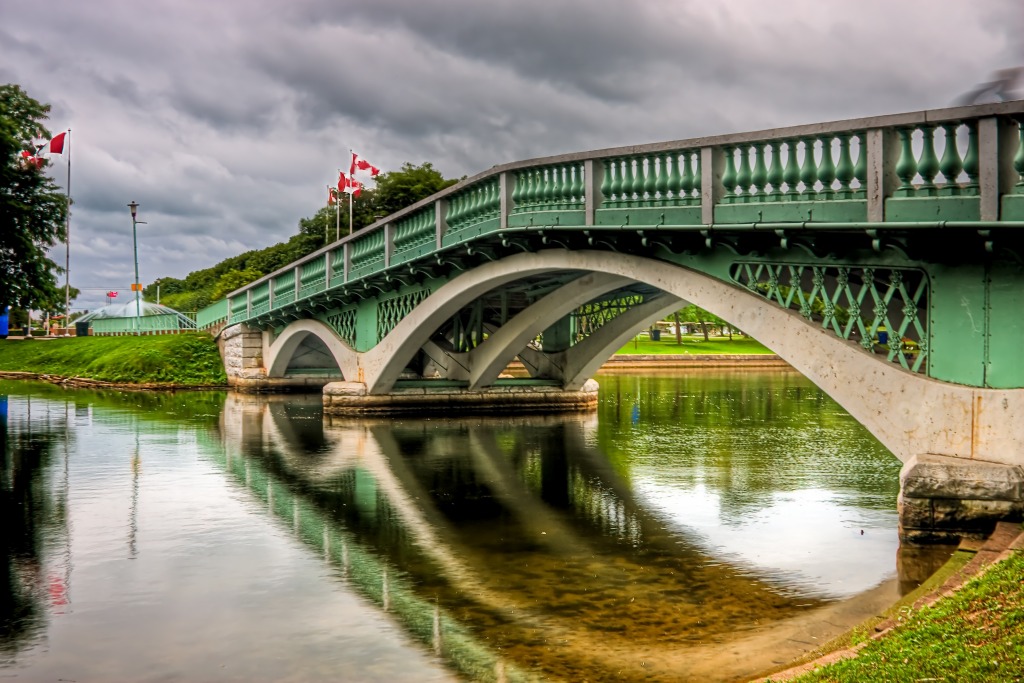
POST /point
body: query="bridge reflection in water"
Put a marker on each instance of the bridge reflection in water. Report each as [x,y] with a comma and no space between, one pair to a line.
[515,548]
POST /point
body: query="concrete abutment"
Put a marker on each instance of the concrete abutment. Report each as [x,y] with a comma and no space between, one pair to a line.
[352,398]
[944,499]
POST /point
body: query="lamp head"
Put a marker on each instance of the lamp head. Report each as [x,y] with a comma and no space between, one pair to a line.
[134,208]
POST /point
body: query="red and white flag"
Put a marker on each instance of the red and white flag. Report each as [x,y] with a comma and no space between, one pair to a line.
[349,185]
[30,159]
[332,196]
[38,158]
[361,169]
[54,146]
[112,295]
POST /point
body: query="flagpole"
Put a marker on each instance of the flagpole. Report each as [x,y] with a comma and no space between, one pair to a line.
[351,187]
[337,210]
[327,218]
[67,247]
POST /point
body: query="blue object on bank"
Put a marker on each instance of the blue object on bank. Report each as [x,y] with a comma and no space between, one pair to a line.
[3,322]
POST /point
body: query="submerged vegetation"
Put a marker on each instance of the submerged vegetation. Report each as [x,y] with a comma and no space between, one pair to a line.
[175,359]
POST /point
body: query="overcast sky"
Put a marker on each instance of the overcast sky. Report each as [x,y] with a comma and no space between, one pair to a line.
[226,120]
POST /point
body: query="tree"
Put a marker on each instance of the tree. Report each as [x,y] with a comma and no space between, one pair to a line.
[32,208]
[402,188]
[695,314]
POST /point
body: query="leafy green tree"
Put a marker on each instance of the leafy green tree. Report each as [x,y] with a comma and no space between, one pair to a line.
[32,208]
[232,280]
[399,189]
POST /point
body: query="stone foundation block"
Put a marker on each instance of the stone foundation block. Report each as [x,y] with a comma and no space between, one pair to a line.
[943,499]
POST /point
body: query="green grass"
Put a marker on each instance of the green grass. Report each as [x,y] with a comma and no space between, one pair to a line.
[693,346]
[976,634]
[180,359]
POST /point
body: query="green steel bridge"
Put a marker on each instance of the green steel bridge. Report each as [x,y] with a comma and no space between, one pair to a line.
[882,257]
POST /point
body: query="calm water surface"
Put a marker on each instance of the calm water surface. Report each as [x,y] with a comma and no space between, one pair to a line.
[698,527]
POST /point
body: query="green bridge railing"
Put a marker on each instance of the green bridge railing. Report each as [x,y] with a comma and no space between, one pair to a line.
[859,174]
[875,178]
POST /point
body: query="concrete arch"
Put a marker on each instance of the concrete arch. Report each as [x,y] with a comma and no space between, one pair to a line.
[583,360]
[908,413]
[382,364]
[488,360]
[576,365]
[280,351]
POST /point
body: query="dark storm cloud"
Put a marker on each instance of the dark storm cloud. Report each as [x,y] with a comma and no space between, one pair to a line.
[226,120]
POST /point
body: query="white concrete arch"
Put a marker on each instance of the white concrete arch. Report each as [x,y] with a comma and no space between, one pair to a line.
[577,364]
[488,359]
[582,360]
[279,353]
[381,365]
[908,413]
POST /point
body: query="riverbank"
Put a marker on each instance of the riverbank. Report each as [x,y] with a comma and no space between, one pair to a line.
[192,361]
[966,623]
[173,361]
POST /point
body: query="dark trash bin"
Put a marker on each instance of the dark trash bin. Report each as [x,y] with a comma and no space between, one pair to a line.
[26,331]
[655,335]
[82,329]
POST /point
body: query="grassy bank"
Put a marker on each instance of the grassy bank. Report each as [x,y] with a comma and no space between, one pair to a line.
[976,634]
[180,359]
[693,346]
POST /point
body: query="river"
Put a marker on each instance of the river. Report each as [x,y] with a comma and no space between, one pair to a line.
[700,526]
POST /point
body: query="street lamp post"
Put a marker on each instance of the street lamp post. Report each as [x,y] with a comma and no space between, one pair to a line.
[135,286]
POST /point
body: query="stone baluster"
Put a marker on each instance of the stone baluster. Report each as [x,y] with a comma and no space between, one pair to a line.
[951,165]
[729,175]
[774,176]
[628,180]
[618,183]
[809,170]
[540,188]
[791,175]
[906,167]
[827,168]
[860,169]
[577,185]
[688,182]
[646,180]
[606,185]
[759,178]
[928,166]
[696,198]
[844,169]
[744,174]
[675,178]
[972,162]
[660,196]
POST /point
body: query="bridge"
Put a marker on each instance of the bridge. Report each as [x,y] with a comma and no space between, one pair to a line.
[882,257]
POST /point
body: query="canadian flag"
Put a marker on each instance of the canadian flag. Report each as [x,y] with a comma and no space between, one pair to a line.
[348,184]
[30,159]
[363,168]
[54,146]
[332,196]
[112,295]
